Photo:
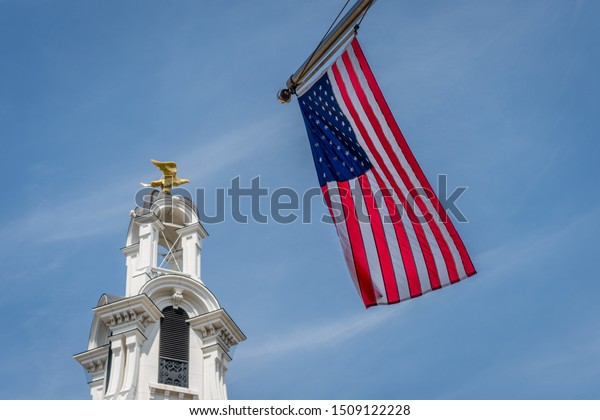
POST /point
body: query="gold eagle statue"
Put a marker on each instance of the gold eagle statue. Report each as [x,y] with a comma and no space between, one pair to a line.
[169,178]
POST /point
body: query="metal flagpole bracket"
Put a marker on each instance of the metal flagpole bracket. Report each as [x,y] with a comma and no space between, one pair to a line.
[325,48]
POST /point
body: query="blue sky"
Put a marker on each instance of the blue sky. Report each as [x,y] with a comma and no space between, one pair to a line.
[502,96]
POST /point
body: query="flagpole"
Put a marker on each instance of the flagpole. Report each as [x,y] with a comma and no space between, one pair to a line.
[314,61]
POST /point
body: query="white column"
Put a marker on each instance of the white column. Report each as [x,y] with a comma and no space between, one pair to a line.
[191,247]
[115,379]
[224,369]
[149,235]
[214,381]
[97,390]
[147,255]
[133,340]
[131,253]
[218,333]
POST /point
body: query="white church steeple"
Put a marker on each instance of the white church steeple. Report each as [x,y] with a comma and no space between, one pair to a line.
[167,337]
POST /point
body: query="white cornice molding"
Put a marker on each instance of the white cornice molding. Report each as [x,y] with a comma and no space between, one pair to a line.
[130,249]
[154,272]
[94,361]
[217,327]
[135,312]
[194,227]
[149,217]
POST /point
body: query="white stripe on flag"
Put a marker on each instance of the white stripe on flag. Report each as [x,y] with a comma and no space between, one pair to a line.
[368,240]
[413,241]
[391,239]
[404,163]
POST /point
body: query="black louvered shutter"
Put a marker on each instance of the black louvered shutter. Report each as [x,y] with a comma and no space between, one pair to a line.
[174,335]
[174,350]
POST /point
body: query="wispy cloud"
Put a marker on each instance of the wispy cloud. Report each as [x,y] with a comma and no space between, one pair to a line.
[333,333]
[236,145]
[539,370]
[505,257]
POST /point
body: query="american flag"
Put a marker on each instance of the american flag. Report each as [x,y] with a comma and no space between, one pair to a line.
[397,239]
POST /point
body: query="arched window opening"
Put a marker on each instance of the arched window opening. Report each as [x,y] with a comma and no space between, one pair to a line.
[174,352]
[169,250]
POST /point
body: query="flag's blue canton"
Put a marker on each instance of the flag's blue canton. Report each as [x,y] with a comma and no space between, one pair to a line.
[336,153]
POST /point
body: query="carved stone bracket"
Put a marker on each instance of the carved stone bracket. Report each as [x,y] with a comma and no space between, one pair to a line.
[95,365]
[177,297]
[227,337]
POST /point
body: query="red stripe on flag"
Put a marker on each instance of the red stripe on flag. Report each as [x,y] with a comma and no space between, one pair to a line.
[359,255]
[325,192]
[344,240]
[383,250]
[434,279]
[435,229]
[391,121]
[408,260]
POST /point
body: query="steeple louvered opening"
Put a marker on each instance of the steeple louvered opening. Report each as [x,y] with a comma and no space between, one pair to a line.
[174,350]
